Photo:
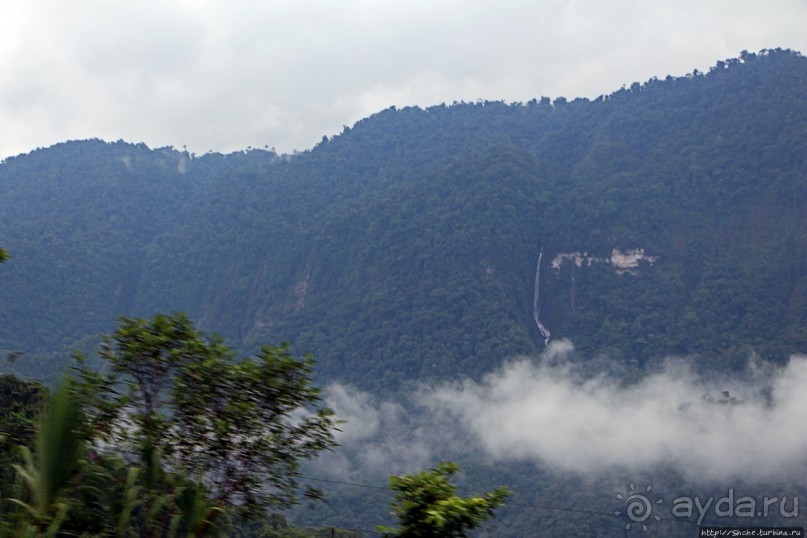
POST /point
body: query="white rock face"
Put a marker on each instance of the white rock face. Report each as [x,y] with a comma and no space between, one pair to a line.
[623,262]
[628,261]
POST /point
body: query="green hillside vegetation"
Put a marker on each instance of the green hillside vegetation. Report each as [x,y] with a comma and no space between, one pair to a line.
[411,239]
[405,248]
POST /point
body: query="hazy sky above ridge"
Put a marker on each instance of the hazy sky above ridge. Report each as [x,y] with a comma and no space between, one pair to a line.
[222,76]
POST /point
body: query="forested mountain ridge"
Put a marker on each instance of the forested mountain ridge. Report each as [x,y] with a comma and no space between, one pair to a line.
[406,247]
[80,218]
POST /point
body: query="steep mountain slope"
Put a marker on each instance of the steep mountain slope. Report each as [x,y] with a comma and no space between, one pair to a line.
[406,247]
[429,276]
[79,219]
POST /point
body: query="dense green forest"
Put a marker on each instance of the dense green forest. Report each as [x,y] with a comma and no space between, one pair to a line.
[669,218]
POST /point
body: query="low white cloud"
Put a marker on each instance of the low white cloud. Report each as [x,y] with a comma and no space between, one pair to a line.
[555,412]
[747,427]
[377,437]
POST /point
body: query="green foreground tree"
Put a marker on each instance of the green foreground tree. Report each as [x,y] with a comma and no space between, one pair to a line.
[46,476]
[427,505]
[65,488]
[218,434]
[21,404]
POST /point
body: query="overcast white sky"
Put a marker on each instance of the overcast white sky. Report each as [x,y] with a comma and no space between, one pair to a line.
[224,75]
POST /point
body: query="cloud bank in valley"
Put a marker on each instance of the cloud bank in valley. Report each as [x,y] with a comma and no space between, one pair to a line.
[376,437]
[551,411]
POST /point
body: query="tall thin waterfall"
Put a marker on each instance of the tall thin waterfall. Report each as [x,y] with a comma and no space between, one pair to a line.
[536,306]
